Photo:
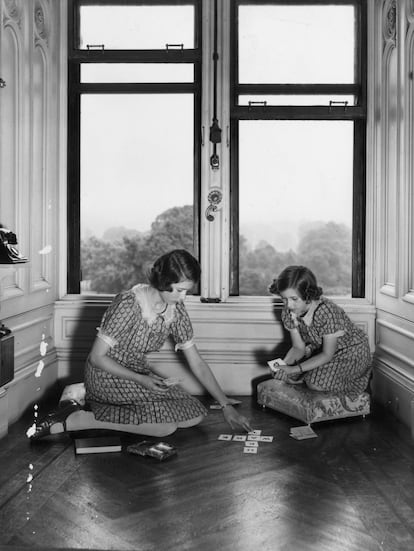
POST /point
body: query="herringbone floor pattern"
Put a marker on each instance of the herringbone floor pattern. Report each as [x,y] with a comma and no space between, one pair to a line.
[350,489]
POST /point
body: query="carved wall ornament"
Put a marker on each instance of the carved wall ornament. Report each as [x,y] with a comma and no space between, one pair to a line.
[13,12]
[410,9]
[41,22]
[389,26]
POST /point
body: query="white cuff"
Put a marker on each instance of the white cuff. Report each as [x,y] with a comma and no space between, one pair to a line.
[108,340]
[184,345]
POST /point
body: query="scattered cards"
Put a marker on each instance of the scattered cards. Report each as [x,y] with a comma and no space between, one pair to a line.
[247,449]
[225,437]
[251,440]
[301,433]
[265,438]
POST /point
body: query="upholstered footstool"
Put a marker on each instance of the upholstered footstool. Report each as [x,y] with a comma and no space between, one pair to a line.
[310,406]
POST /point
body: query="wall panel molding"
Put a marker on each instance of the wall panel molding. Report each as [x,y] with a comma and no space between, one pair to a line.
[32,62]
[394,166]
[235,338]
[11,135]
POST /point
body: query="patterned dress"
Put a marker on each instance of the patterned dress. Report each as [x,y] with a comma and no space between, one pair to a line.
[133,328]
[350,368]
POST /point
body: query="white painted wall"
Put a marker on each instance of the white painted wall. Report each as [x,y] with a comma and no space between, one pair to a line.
[32,60]
[392,149]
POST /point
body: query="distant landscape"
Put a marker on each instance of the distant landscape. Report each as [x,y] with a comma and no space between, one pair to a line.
[121,257]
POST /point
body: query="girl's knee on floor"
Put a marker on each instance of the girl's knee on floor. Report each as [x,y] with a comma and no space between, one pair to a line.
[190,422]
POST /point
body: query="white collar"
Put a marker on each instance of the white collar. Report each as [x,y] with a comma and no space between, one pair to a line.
[152,304]
[308,317]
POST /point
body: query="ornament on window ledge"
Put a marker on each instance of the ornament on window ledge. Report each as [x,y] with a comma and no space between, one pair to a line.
[8,252]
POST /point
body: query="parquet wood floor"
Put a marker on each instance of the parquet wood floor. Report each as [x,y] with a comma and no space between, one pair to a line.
[349,489]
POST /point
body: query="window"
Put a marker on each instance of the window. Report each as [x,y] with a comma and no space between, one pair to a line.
[134,162]
[292,109]
[298,115]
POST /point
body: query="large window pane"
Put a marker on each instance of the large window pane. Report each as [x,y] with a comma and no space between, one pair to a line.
[136,27]
[296,44]
[137,174]
[295,202]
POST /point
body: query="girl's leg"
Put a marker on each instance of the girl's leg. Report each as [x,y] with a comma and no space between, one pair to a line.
[314,386]
[85,420]
[190,422]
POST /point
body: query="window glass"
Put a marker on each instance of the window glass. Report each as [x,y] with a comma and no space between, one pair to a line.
[136,27]
[137,72]
[137,174]
[293,99]
[295,202]
[296,44]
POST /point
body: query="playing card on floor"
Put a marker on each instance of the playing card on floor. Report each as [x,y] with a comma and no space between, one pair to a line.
[301,433]
[266,439]
[239,438]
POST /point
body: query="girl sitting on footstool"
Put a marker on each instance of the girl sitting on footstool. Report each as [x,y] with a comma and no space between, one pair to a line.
[328,351]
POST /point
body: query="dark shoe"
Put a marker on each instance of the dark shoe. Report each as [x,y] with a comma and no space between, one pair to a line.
[59,416]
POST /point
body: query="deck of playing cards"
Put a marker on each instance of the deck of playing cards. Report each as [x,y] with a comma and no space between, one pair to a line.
[301,433]
[159,451]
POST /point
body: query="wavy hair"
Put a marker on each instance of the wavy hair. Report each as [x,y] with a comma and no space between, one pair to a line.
[299,278]
[174,267]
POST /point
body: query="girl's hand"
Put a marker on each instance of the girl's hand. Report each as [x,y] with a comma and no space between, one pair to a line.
[234,419]
[153,382]
[291,370]
[233,401]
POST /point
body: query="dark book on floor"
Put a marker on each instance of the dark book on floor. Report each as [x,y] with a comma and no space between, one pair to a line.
[102,444]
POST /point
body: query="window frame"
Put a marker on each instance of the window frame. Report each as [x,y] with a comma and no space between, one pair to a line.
[356,113]
[76,57]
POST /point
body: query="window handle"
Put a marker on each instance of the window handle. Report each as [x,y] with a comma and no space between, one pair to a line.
[333,103]
[214,198]
[257,103]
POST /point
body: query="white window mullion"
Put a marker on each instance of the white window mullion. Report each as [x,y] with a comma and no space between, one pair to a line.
[215,234]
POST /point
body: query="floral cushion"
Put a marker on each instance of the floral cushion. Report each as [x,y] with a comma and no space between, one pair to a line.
[310,406]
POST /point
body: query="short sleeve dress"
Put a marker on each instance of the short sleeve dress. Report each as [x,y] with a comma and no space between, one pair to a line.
[350,368]
[133,328]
